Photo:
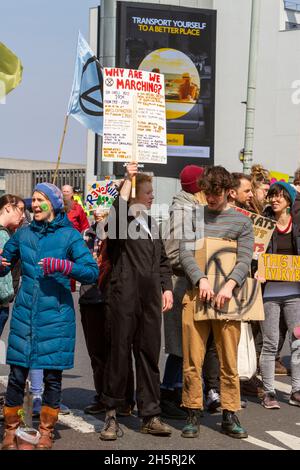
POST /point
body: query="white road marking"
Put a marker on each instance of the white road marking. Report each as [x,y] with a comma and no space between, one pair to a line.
[81,422]
[263,444]
[293,442]
[282,387]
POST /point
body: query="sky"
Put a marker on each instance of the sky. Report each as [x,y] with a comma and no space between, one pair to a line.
[43,34]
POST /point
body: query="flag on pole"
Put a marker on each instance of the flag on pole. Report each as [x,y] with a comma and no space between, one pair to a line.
[85,103]
[10,70]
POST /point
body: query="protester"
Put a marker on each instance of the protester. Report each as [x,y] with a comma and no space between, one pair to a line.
[221,221]
[11,215]
[140,289]
[281,297]
[42,328]
[188,198]
[260,184]
[92,310]
[76,214]
[240,193]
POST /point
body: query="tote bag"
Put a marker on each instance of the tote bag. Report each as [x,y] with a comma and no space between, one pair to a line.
[246,353]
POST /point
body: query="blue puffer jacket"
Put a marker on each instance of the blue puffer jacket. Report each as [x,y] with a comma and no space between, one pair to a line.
[42,328]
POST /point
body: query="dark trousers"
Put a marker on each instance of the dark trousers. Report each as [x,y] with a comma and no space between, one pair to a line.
[16,386]
[93,324]
[133,320]
[211,366]
[4,313]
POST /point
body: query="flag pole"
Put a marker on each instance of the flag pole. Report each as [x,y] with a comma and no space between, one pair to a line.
[133,181]
[60,148]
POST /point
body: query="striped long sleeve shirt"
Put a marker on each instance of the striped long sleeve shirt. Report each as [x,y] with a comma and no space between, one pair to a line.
[228,224]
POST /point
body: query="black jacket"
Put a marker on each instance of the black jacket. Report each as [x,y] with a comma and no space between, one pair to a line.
[127,250]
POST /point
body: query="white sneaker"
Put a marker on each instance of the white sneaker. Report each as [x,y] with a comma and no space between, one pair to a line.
[213,400]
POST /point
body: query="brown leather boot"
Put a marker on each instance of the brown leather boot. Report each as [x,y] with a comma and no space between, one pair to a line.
[48,419]
[12,422]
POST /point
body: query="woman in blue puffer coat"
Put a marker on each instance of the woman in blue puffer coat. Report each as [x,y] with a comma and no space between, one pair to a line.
[42,329]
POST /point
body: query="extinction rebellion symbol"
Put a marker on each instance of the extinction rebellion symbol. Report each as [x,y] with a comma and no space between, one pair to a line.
[86,97]
[109,81]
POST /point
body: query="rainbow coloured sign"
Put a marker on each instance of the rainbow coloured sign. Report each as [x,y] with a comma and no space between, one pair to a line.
[101,193]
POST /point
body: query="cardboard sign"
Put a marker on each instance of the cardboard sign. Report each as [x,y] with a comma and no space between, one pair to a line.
[101,193]
[263,230]
[279,267]
[134,125]
[217,258]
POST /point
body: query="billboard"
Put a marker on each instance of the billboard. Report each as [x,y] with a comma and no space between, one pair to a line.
[179,43]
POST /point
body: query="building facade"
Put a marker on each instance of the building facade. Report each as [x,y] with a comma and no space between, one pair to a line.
[19,176]
[277,114]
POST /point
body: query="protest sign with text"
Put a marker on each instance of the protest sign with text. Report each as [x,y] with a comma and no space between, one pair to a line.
[134,116]
[101,193]
[263,230]
[279,267]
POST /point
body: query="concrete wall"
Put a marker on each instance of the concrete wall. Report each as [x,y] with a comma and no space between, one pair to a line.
[20,164]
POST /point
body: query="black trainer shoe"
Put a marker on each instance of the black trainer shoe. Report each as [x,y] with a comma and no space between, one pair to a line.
[192,427]
[231,426]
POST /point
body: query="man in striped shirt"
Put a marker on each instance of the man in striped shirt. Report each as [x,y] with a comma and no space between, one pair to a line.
[219,221]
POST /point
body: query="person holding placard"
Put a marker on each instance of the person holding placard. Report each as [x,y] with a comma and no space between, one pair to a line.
[140,288]
[221,221]
[281,297]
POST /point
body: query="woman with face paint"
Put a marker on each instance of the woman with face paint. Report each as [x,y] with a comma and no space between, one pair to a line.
[42,329]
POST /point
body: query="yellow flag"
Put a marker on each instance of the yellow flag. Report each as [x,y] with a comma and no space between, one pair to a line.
[10,70]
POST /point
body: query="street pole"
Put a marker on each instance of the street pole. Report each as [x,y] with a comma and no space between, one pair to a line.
[251,87]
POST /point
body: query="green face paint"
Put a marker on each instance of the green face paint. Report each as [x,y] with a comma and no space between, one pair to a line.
[44,206]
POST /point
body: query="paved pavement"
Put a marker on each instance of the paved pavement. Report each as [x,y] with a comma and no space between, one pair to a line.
[268,429]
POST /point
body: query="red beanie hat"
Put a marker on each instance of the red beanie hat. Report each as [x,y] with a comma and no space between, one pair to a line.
[189,177]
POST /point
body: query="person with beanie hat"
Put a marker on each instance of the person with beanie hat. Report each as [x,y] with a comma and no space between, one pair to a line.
[189,177]
[281,298]
[42,328]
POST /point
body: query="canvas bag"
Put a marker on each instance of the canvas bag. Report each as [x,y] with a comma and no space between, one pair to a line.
[246,353]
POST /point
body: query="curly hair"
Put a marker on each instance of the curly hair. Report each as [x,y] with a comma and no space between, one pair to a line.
[215,180]
[259,174]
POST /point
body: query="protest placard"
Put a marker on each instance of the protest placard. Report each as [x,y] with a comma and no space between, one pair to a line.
[263,230]
[101,193]
[134,126]
[279,267]
[216,257]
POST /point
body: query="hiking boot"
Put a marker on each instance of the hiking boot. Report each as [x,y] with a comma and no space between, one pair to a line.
[252,387]
[94,408]
[280,368]
[154,425]
[111,429]
[270,402]
[124,410]
[170,410]
[295,398]
[192,427]
[231,426]
[213,401]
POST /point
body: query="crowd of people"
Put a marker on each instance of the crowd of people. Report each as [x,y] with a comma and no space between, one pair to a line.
[133,274]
